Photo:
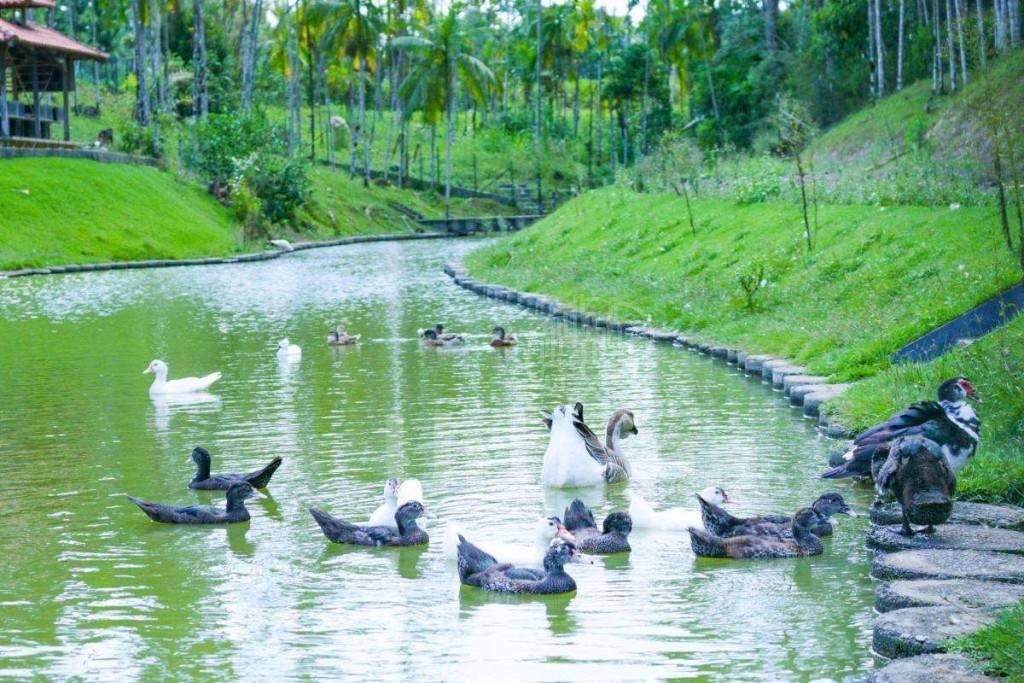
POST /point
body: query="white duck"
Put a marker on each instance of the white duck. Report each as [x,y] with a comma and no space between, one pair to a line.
[395,496]
[546,529]
[186,385]
[283,245]
[288,351]
[575,456]
[385,514]
[674,519]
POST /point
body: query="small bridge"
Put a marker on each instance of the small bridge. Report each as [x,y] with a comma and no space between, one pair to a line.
[471,226]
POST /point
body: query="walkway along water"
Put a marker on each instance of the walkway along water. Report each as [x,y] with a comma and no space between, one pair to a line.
[970,561]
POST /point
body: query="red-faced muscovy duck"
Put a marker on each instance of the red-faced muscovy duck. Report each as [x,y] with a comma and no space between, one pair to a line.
[950,422]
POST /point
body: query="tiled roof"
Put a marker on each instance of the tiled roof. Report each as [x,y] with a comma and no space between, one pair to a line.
[35,35]
[27,4]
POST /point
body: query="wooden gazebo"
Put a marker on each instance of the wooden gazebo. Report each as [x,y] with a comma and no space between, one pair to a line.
[34,60]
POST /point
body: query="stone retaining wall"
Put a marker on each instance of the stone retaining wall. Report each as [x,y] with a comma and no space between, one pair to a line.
[100,155]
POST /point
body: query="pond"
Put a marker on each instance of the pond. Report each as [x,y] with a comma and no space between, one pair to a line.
[90,587]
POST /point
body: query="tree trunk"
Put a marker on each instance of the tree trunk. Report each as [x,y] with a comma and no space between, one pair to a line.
[200,96]
[141,90]
[295,85]
[449,140]
[707,68]
[647,80]
[899,51]
[960,40]
[251,47]
[937,56]
[771,18]
[949,46]
[311,95]
[362,120]
[872,53]
[600,110]
[155,102]
[1014,21]
[1000,29]
[981,35]
[96,64]
[576,104]
[537,93]
[879,48]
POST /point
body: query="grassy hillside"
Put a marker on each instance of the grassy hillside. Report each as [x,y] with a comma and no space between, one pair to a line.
[877,279]
[946,127]
[59,211]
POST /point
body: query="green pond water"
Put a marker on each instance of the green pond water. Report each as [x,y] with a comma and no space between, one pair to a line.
[90,589]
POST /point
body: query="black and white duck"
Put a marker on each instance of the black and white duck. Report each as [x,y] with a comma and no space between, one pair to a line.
[446,338]
[673,519]
[613,537]
[950,422]
[576,457]
[721,523]
[477,568]
[546,530]
[206,482]
[404,533]
[502,339]
[803,542]
[235,511]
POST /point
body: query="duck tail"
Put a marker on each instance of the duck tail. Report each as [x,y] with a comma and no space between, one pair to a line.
[840,472]
[705,544]
[331,526]
[261,478]
[450,546]
[472,560]
[145,506]
[578,516]
[210,379]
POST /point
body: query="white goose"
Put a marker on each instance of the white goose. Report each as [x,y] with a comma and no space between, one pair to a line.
[575,456]
[288,351]
[546,529]
[186,385]
[674,519]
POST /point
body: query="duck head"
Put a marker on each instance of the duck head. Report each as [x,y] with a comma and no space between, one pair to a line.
[391,488]
[551,527]
[832,504]
[239,493]
[804,519]
[431,335]
[439,329]
[157,367]
[560,553]
[620,423]
[923,483]
[618,522]
[956,389]
[341,331]
[283,344]
[201,457]
[499,332]
[715,495]
[408,513]
[332,336]
[577,410]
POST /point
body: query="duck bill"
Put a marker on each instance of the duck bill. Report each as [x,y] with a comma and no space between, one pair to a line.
[726,500]
[975,397]
[849,513]
[580,558]
[429,514]
[147,370]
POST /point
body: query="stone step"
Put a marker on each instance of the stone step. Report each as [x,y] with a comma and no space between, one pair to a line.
[924,630]
[781,372]
[825,392]
[940,668]
[948,537]
[801,380]
[949,593]
[1002,516]
[949,564]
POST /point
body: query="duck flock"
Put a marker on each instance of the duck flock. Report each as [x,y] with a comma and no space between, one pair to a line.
[915,456]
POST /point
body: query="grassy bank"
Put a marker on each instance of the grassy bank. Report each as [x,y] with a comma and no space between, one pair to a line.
[1000,647]
[62,211]
[876,279]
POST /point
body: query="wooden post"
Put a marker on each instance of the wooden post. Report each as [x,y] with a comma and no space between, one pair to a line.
[37,124]
[64,86]
[5,122]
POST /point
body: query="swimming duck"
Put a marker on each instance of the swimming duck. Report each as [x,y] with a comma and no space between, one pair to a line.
[545,531]
[288,351]
[338,337]
[721,523]
[203,481]
[441,335]
[236,496]
[949,422]
[575,456]
[674,519]
[803,542]
[433,341]
[501,339]
[185,385]
[922,480]
[404,533]
[477,568]
[385,514]
[613,536]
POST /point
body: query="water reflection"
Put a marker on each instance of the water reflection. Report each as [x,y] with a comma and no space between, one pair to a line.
[167,405]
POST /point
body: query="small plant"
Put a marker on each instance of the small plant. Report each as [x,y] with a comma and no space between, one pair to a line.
[752,281]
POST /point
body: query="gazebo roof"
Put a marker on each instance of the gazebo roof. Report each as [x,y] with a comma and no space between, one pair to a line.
[36,36]
[27,4]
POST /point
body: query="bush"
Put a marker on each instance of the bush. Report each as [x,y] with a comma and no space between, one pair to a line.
[224,138]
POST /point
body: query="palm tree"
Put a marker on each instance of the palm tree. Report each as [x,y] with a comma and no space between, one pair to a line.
[445,60]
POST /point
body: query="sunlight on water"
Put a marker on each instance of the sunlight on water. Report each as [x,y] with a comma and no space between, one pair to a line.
[89,587]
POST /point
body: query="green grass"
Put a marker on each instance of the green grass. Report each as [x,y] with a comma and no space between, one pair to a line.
[877,279]
[999,648]
[63,211]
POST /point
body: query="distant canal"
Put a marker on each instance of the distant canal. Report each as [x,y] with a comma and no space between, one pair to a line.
[90,588]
